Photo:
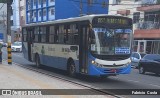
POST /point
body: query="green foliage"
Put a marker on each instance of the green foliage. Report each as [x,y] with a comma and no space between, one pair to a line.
[158,1]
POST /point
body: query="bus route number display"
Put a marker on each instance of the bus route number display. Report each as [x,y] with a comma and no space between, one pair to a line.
[110,21]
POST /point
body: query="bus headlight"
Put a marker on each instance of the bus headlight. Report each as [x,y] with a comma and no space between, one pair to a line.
[95,63]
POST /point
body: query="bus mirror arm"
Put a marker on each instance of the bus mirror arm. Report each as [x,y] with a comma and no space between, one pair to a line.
[73,48]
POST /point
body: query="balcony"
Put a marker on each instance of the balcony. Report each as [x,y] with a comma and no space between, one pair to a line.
[147,29]
[148,25]
[149,5]
[149,34]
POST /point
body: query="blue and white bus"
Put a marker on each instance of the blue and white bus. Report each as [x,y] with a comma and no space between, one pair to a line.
[96,45]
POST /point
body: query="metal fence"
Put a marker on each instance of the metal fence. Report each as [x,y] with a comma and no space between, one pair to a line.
[150,2]
[148,25]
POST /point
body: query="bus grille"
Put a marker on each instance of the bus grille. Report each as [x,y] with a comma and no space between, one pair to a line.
[111,72]
[112,66]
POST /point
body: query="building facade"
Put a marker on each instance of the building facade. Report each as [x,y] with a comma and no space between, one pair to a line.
[3,22]
[147,33]
[146,22]
[49,10]
[22,11]
[15,21]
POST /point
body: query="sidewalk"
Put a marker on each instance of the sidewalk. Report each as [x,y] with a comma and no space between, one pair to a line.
[15,77]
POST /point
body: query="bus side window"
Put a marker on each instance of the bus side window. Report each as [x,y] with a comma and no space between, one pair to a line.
[51,34]
[73,36]
[56,35]
[36,34]
[43,34]
[61,34]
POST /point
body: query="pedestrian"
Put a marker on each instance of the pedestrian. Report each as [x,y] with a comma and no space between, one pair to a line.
[1,45]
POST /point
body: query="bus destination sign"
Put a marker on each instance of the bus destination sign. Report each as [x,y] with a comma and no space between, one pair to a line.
[111,21]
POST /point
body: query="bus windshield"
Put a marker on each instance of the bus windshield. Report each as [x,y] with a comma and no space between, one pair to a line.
[106,41]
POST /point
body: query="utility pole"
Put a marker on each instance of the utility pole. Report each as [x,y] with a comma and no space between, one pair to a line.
[9,2]
[81,7]
[9,8]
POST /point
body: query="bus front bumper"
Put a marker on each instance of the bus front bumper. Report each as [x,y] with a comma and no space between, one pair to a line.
[98,71]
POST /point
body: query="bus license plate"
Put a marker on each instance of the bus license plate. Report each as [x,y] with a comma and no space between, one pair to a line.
[113,70]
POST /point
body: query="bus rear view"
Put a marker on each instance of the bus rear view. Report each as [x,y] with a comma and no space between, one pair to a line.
[110,46]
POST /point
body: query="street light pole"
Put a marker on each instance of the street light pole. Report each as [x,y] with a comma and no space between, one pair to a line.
[9,2]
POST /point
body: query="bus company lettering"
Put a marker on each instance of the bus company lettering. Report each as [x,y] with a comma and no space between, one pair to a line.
[51,49]
[112,21]
[65,50]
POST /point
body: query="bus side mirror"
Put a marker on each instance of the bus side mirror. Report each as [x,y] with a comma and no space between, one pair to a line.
[74,48]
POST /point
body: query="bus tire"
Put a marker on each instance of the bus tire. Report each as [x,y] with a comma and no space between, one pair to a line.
[37,60]
[71,68]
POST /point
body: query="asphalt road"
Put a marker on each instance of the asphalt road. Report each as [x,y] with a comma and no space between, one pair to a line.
[130,81]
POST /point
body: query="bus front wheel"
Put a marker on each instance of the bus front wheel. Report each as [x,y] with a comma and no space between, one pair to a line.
[38,61]
[71,69]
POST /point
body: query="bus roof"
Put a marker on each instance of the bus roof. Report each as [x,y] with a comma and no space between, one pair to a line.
[73,19]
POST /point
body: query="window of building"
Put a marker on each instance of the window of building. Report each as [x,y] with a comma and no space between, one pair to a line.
[136,17]
[52,11]
[44,12]
[35,13]
[44,2]
[39,2]
[116,2]
[21,8]
[40,13]
[137,0]
[52,0]
[35,2]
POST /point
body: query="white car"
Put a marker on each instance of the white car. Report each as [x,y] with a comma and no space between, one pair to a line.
[17,47]
[135,58]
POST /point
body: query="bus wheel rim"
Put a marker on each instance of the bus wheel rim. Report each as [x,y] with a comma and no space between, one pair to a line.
[72,69]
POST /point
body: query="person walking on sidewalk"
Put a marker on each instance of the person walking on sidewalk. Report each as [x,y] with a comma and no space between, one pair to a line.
[1,45]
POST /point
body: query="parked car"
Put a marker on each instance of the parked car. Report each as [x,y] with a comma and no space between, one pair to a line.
[16,46]
[4,44]
[150,63]
[135,58]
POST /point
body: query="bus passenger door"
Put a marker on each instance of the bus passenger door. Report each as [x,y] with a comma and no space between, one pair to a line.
[30,33]
[83,49]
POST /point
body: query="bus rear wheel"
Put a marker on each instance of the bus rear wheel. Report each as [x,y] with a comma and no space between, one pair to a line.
[71,69]
[37,61]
